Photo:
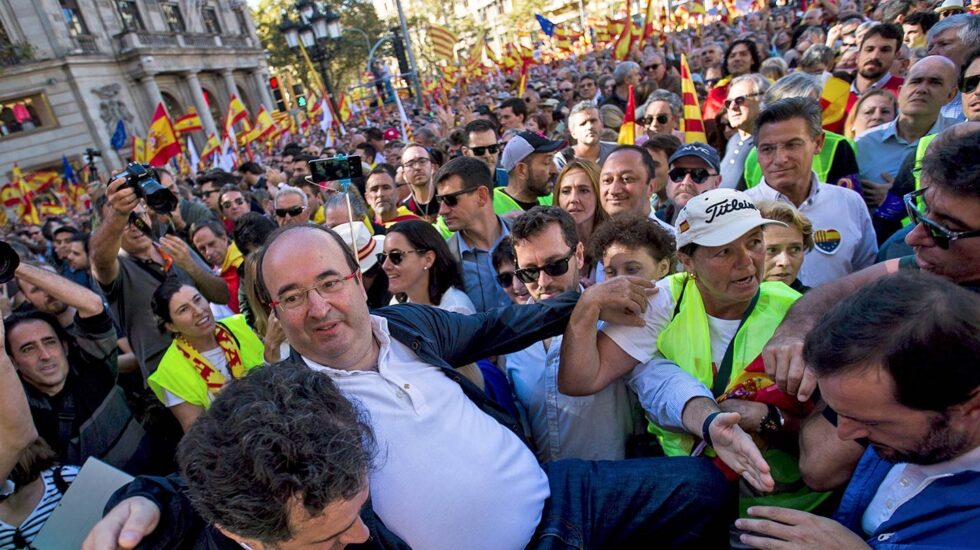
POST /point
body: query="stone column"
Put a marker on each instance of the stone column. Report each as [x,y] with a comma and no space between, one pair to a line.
[261,80]
[230,83]
[152,92]
[202,107]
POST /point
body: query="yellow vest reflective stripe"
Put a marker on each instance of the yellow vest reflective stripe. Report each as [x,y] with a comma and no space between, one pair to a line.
[920,153]
[176,375]
[821,163]
[686,340]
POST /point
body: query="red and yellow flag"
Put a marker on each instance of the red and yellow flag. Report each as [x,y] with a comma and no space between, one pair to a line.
[188,123]
[161,141]
[344,108]
[443,41]
[624,41]
[264,125]
[833,101]
[236,112]
[650,21]
[211,146]
[627,132]
[691,124]
[139,150]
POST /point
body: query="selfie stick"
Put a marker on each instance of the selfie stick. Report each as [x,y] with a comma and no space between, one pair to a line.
[345,185]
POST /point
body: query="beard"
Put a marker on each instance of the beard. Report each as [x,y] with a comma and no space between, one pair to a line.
[872,74]
[939,445]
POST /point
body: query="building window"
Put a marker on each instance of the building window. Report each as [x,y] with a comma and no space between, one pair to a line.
[171,14]
[130,15]
[211,23]
[242,24]
[73,18]
[22,114]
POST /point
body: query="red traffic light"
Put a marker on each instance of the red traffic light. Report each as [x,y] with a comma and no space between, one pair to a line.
[273,82]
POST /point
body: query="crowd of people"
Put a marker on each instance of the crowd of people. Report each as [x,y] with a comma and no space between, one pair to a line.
[515,331]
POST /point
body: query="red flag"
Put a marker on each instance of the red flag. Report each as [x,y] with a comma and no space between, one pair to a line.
[161,142]
[627,132]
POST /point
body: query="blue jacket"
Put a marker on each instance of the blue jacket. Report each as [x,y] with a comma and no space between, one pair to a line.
[944,515]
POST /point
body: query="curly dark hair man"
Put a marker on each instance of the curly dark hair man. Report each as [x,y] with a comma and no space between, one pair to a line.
[281,456]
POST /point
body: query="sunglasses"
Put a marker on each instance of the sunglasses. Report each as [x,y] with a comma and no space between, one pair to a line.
[566,90]
[556,268]
[941,235]
[452,199]
[647,120]
[698,175]
[739,101]
[969,84]
[396,256]
[208,193]
[484,149]
[652,67]
[228,204]
[291,212]
[505,279]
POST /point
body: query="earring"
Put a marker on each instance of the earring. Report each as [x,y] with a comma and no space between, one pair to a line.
[426,268]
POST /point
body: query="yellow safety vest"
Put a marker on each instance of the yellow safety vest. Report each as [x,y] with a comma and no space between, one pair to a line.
[176,375]
[821,163]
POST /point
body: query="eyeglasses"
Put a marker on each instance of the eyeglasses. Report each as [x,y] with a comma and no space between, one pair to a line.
[647,120]
[505,279]
[295,299]
[652,67]
[739,101]
[396,256]
[208,193]
[566,90]
[698,175]
[554,269]
[227,204]
[452,199]
[291,212]
[416,164]
[483,149]
[969,84]
[941,235]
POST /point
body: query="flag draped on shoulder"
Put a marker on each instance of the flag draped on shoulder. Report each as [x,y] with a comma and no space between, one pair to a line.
[443,41]
[161,142]
[691,124]
[627,132]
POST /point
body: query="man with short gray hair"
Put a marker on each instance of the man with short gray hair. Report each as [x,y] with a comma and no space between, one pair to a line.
[954,37]
[585,127]
[743,104]
[291,206]
[626,74]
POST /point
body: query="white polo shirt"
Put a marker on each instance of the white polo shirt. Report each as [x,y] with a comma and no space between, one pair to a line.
[844,239]
[448,476]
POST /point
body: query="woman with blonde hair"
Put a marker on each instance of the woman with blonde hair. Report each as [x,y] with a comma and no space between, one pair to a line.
[785,246]
[874,108]
[577,192]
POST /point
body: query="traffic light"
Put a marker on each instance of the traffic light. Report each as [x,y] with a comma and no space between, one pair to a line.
[399,47]
[277,93]
[300,96]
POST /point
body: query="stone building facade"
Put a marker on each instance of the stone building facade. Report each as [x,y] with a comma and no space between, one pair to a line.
[71,69]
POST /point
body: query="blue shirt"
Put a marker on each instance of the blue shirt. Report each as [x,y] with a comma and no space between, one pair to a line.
[882,150]
[479,276]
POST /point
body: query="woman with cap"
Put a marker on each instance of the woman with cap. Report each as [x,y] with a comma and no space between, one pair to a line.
[711,323]
[367,247]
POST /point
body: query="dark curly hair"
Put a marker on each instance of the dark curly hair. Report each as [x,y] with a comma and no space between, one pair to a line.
[632,231]
[753,51]
[283,433]
[445,271]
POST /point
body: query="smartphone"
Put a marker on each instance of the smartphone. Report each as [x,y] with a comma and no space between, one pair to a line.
[336,169]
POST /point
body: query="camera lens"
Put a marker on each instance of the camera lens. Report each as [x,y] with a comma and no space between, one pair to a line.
[158,197]
[9,260]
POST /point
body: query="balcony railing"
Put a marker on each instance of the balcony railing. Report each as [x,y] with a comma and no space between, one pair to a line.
[236,41]
[199,40]
[159,39]
[86,43]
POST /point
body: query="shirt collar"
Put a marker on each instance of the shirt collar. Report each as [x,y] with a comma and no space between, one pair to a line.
[379,328]
[769,193]
[879,84]
[969,461]
[504,231]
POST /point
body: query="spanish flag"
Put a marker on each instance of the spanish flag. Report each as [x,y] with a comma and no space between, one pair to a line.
[236,112]
[263,125]
[211,147]
[343,108]
[139,150]
[161,142]
[627,132]
[624,41]
[188,123]
[650,20]
[692,124]
[833,101]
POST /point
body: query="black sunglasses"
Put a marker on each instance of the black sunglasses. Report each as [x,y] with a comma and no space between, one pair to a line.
[647,120]
[554,269]
[292,212]
[739,101]
[942,236]
[698,175]
[396,256]
[227,204]
[566,90]
[483,149]
[505,279]
[452,199]
[969,84]
[652,67]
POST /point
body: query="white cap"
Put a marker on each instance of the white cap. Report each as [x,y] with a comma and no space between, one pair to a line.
[950,5]
[368,246]
[718,217]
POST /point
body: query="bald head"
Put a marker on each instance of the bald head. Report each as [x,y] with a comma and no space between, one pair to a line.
[931,83]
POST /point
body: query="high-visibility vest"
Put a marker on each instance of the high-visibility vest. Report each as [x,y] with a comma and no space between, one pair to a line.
[821,163]
[920,153]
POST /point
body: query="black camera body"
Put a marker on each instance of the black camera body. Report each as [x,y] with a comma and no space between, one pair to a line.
[9,260]
[142,178]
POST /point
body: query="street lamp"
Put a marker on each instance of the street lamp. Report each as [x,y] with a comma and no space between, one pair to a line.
[316,28]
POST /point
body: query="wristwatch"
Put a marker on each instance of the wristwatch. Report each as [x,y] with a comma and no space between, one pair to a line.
[773,421]
[8,488]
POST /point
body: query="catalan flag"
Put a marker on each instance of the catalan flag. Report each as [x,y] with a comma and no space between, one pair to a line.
[443,41]
[188,123]
[161,141]
[627,132]
[691,124]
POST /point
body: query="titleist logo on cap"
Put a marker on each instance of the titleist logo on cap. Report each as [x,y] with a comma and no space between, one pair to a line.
[724,207]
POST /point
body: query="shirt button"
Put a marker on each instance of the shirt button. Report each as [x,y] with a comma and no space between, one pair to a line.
[407,386]
[904,482]
[889,504]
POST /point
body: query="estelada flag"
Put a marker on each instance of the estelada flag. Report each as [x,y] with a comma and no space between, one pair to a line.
[188,123]
[691,124]
[833,101]
[161,141]
[627,132]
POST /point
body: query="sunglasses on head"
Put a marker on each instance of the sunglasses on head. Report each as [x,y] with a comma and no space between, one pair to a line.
[227,204]
[396,256]
[483,149]
[505,279]
[969,84]
[941,235]
[452,199]
[291,212]
[698,175]
[652,67]
[648,120]
[738,101]
[556,268]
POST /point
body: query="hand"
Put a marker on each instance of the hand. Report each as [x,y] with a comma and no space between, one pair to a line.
[274,337]
[274,177]
[122,200]
[737,450]
[177,249]
[874,193]
[179,223]
[751,413]
[124,526]
[786,529]
[620,300]
[783,357]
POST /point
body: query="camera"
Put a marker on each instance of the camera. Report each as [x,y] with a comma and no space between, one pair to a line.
[142,178]
[9,260]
